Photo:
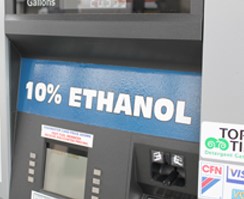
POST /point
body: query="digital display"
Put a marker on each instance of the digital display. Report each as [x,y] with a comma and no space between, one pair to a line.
[65,172]
[92,4]
[102,6]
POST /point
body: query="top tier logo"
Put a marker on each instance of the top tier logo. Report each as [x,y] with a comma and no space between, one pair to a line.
[230,138]
[222,141]
[41,3]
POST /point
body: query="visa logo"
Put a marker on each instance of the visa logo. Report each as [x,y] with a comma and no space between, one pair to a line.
[237,194]
[235,175]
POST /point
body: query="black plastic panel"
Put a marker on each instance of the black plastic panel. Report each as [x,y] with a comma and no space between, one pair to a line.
[175,55]
[111,154]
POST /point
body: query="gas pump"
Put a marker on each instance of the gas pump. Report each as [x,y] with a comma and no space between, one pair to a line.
[106,107]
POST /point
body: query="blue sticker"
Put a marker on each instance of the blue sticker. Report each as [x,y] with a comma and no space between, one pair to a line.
[237,194]
[148,101]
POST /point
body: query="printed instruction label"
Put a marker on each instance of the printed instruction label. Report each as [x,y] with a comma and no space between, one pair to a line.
[220,181]
[68,136]
[37,195]
[221,141]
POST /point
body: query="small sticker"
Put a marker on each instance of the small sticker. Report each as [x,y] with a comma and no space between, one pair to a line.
[37,195]
[233,182]
[210,180]
[221,141]
[68,136]
[235,174]
[237,194]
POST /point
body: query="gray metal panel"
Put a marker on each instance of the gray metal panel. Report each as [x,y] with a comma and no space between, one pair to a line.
[137,26]
[9,6]
[223,63]
[197,7]
[4,131]
[5,156]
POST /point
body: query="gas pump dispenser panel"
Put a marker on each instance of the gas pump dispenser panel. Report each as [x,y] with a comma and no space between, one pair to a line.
[90,131]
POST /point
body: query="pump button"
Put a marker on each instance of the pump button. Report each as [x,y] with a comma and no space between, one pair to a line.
[95,190]
[31,171]
[177,160]
[157,156]
[30,179]
[97,172]
[94,197]
[32,163]
[96,181]
[32,155]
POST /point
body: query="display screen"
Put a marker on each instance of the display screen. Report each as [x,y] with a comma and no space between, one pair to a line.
[65,171]
[102,6]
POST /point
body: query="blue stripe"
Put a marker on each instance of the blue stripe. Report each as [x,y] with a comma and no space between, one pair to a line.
[204,178]
[209,185]
[235,181]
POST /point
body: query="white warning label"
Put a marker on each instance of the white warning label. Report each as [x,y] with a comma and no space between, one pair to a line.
[68,136]
[37,195]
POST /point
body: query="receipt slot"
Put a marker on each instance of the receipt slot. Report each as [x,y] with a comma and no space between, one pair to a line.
[95,131]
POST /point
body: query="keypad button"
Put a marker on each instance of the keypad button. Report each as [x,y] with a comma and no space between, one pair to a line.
[32,155]
[30,179]
[95,190]
[97,172]
[96,181]
[31,171]
[32,163]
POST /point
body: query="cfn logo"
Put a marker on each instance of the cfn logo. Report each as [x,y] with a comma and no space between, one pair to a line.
[211,169]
